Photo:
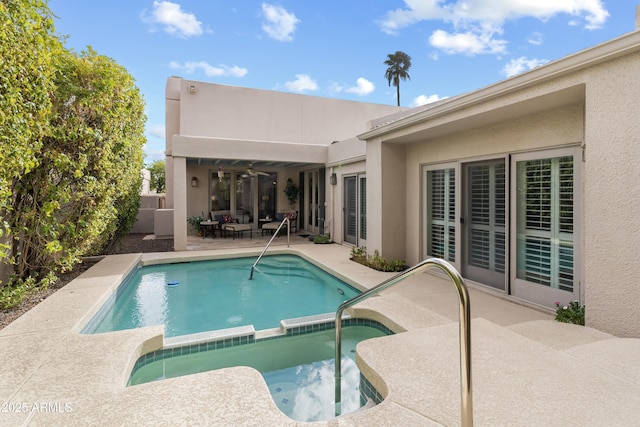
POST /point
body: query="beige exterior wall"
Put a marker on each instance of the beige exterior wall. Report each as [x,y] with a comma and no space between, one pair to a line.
[211,121]
[559,127]
[589,99]
[172,127]
[344,158]
[236,113]
[612,195]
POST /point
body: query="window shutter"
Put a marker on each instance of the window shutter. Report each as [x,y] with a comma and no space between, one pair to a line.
[545,228]
[441,219]
[487,217]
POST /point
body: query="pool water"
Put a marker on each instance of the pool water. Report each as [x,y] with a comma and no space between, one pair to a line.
[298,370]
[211,295]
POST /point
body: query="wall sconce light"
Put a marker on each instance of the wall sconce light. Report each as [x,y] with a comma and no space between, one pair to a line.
[194,182]
[193,88]
[333,179]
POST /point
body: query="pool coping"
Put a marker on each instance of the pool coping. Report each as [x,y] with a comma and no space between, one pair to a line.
[69,365]
[54,375]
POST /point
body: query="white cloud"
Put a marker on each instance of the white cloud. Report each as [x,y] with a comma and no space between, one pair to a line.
[280,24]
[363,87]
[467,43]
[173,19]
[474,22]
[535,39]
[302,83]
[520,65]
[417,10]
[209,70]
[424,99]
[156,131]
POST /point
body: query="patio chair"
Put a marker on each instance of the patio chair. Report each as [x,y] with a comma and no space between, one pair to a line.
[223,221]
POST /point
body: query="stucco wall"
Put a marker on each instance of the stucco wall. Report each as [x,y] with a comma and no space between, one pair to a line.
[344,158]
[612,194]
[261,115]
[211,121]
[607,121]
[172,127]
[392,170]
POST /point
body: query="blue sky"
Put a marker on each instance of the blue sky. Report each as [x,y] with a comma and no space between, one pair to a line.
[334,48]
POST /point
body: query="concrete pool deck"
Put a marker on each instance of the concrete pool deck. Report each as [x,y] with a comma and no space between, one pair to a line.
[527,368]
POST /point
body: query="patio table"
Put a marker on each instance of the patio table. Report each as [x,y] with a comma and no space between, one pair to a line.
[209,227]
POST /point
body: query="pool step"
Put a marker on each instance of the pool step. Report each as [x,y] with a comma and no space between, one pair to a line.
[208,336]
[309,323]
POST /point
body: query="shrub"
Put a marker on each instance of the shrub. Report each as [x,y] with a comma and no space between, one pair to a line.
[572,313]
[12,296]
[320,239]
[375,261]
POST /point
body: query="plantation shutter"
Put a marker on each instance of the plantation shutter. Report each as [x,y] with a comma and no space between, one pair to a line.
[487,217]
[545,222]
[363,208]
[350,206]
[441,214]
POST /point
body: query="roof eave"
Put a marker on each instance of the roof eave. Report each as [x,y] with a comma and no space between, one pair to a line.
[621,46]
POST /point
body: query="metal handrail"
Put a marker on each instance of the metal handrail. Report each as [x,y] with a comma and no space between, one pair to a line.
[271,240]
[464,331]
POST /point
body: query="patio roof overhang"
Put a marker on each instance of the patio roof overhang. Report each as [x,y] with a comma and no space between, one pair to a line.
[240,153]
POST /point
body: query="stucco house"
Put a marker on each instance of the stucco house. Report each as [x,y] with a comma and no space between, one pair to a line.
[530,186]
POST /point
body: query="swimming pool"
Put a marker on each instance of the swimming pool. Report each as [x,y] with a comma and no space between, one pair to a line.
[210,295]
[298,369]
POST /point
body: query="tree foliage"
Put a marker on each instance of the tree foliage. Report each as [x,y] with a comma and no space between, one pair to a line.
[398,65]
[75,155]
[157,182]
[26,48]
[80,194]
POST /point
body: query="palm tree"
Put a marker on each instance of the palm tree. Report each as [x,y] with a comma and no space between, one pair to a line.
[399,64]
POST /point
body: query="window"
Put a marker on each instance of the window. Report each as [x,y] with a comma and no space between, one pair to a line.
[441,214]
[363,207]
[267,196]
[220,192]
[545,216]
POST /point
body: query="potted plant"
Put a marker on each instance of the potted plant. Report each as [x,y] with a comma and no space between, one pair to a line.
[292,192]
[194,222]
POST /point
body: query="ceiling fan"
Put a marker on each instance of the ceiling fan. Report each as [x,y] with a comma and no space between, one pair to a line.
[251,172]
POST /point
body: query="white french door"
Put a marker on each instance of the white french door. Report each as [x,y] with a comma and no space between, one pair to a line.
[484,223]
[355,210]
[546,238]
[440,206]
[510,223]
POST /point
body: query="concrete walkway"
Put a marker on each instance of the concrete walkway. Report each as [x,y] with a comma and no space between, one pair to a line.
[527,368]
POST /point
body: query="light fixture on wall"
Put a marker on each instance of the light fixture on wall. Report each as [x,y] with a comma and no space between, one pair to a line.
[193,88]
[194,182]
[333,179]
